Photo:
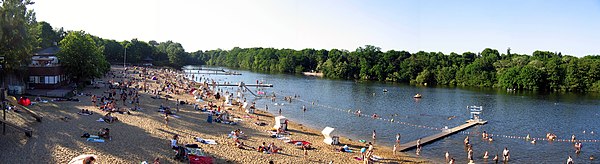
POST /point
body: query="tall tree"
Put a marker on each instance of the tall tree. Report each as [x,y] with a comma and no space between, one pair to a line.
[17,35]
[46,36]
[81,57]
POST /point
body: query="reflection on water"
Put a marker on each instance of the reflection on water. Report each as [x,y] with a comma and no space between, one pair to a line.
[509,115]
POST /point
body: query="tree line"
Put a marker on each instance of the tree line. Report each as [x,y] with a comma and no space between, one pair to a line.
[86,56]
[543,70]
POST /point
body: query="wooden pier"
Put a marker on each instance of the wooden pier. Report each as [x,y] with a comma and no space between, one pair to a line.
[248,85]
[206,69]
[214,73]
[444,133]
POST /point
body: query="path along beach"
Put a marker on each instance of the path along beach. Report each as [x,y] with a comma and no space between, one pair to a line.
[142,134]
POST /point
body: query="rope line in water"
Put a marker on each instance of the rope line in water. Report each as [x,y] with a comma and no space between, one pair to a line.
[441,129]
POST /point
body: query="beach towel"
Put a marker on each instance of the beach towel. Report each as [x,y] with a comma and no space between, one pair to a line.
[376,158]
[206,141]
[194,159]
[195,151]
[298,143]
[357,158]
[282,138]
[100,120]
[176,116]
[95,140]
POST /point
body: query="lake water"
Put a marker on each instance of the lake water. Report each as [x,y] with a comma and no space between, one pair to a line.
[510,115]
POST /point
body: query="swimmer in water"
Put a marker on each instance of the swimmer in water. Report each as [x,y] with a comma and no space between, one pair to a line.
[447,156]
[451,117]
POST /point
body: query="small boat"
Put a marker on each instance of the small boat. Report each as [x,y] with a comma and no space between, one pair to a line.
[417,96]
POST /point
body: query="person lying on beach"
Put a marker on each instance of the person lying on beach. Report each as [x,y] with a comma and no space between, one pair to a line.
[108,118]
[272,149]
[104,133]
[85,112]
[344,148]
[237,134]
[241,145]
[258,123]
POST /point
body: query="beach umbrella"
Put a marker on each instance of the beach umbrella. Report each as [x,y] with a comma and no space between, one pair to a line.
[81,158]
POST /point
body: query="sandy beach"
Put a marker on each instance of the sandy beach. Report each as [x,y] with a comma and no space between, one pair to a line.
[143,135]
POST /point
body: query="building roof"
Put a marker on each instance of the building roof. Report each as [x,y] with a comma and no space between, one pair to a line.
[48,51]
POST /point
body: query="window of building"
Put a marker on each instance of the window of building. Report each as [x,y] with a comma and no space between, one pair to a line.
[50,80]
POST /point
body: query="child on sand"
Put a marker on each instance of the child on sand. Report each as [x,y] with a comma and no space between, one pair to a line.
[166,119]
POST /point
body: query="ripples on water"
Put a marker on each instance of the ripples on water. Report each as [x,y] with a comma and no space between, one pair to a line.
[508,113]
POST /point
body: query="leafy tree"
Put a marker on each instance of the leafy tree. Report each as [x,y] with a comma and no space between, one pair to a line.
[176,55]
[81,57]
[113,51]
[46,36]
[17,35]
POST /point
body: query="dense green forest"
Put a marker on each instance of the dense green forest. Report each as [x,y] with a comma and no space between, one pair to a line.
[21,35]
[543,70]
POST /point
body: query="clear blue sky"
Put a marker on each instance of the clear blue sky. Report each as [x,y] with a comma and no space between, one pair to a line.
[571,27]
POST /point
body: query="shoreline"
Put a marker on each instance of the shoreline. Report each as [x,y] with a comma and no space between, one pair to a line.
[142,136]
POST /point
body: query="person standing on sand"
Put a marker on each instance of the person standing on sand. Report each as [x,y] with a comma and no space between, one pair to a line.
[305,151]
[394,149]
[166,119]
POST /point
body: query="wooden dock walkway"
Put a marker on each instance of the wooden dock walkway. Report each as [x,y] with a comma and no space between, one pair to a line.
[444,133]
[248,85]
[214,73]
[206,69]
